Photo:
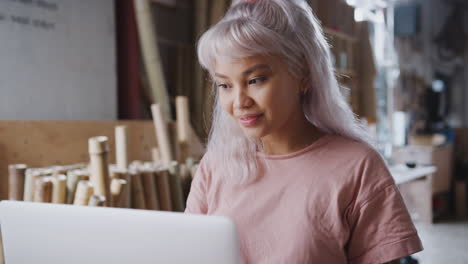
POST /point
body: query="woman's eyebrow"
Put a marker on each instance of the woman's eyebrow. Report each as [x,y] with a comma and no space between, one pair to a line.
[248,71]
[221,75]
[256,68]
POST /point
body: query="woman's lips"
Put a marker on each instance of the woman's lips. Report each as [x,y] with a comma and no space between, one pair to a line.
[249,120]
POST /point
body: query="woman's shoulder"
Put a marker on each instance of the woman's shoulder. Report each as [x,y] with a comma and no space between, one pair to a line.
[348,148]
[355,156]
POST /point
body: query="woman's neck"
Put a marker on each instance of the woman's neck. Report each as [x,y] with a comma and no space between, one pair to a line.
[293,137]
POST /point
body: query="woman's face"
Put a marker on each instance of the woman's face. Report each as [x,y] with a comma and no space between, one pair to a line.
[260,94]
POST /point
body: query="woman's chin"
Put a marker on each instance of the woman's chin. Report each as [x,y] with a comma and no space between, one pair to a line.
[254,134]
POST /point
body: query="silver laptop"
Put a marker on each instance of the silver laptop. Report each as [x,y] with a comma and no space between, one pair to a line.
[57,234]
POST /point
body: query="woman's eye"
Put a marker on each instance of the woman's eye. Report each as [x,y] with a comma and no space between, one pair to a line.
[257,80]
[222,85]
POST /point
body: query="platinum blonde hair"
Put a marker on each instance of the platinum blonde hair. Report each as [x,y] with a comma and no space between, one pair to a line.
[288,30]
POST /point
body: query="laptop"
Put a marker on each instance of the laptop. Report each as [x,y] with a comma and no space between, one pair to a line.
[57,234]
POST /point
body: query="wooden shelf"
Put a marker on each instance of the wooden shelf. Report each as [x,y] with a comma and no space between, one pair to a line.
[340,35]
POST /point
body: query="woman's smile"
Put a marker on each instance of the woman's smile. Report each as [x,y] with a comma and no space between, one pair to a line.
[250,119]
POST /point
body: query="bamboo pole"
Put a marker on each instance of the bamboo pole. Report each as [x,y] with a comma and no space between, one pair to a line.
[77,166]
[176,187]
[116,191]
[138,197]
[164,190]
[98,151]
[151,57]
[59,183]
[30,184]
[126,200]
[121,149]
[162,136]
[96,200]
[56,170]
[73,178]
[17,177]
[155,155]
[84,191]
[183,124]
[43,189]
[153,202]
[120,193]
[45,171]
[119,174]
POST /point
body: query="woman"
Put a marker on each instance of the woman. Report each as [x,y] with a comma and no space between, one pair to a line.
[286,158]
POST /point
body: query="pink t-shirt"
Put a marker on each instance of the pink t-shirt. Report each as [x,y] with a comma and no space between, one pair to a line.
[330,203]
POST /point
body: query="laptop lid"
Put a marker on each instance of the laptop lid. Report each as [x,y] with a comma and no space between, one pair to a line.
[53,233]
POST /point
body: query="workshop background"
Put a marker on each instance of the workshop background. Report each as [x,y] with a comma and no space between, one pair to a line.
[122,77]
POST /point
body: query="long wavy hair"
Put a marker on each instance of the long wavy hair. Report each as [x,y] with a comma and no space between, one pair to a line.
[288,30]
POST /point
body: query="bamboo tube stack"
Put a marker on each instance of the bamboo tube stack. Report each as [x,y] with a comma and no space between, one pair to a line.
[160,184]
[145,185]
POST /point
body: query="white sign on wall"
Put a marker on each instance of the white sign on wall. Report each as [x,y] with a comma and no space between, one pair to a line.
[57,60]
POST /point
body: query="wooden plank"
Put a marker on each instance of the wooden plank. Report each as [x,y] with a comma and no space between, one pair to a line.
[46,143]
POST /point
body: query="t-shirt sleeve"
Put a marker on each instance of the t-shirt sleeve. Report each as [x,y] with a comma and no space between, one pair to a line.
[381,227]
[196,201]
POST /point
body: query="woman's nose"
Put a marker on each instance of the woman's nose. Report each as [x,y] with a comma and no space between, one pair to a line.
[242,99]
